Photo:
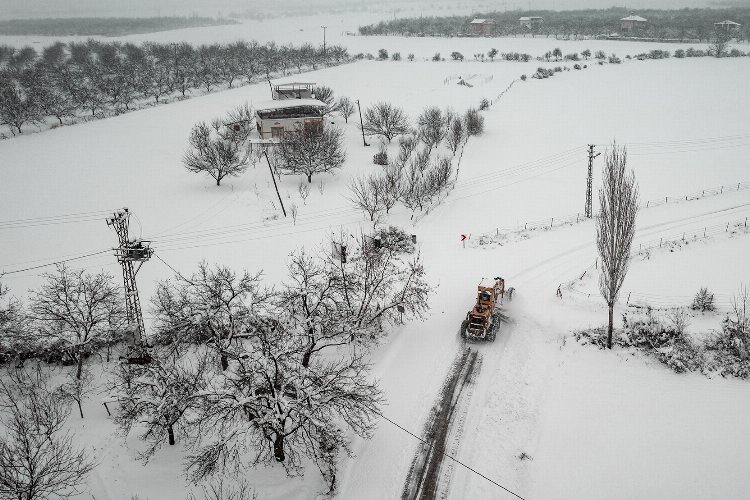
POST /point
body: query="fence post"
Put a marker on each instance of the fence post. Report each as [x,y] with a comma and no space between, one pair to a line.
[727,229]
[627,302]
[647,204]
[665,199]
[660,242]
[683,236]
[551,222]
[722,189]
[704,232]
[577,215]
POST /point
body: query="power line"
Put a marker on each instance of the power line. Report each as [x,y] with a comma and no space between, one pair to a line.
[452,457]
[55,263]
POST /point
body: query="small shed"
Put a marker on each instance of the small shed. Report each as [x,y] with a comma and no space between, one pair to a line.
[293,90]
[275,118]
[726,26]
[530,22]
[483,27]
[632,23]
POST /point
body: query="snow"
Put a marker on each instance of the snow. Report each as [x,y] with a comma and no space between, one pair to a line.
[595,424]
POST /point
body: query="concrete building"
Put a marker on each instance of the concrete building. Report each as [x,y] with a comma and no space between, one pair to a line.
[530,22]
[483,27]
[726,26]
[632,23]
[275,118]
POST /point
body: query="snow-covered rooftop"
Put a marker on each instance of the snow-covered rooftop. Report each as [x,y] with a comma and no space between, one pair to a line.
[634,18]
[482,21]
[727,23]
[287,103]
[530,18]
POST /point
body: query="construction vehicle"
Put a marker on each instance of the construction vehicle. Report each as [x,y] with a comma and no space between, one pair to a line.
[481,322]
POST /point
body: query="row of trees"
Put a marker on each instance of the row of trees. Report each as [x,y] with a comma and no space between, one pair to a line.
[684,24]
[415,177]
[242,373]
[65,81]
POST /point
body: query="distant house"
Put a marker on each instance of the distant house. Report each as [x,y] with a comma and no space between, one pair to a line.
[483,27]
[726,26]
[632,23]
[530,22]
[275,118]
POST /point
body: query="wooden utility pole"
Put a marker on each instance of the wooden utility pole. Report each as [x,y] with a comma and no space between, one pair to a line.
[273,176]
[589,181]
[361,124]
[324,40]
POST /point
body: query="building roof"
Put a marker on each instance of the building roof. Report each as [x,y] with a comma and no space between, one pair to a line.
[286,84]
[728,23]
[483,21]
[288,103]
[530,18]
[634,18]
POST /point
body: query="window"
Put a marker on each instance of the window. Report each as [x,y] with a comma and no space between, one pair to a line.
[277,132]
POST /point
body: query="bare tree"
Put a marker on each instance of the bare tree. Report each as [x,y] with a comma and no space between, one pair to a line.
[365,195]
[77,389]
[456,135]
[17,108]
[14,340]
[310,151]
[432,126]
[213,306]
[407,144]
[37,457]
[237,489]
[473,122]
[278,410]
[385,119]
[77,314]
[720,45]
[325,94]
[346,108]
[389,187]
[615,227]
[215,151]
[159,399]
[304,191]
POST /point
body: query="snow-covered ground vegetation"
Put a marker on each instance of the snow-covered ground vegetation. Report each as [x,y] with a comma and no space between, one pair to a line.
[329,367]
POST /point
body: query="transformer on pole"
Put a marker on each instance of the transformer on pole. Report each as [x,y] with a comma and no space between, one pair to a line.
[129,252]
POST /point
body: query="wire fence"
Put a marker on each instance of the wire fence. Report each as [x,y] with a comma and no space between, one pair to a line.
[639,299]
[571,219]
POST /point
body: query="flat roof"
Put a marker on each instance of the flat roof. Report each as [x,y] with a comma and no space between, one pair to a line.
[284,84]
[633,18]
[287,103]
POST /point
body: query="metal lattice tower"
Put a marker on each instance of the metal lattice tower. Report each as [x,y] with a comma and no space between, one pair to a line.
[130,251]
[589,181]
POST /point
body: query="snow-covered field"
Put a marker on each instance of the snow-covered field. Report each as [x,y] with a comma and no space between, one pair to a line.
[595,424]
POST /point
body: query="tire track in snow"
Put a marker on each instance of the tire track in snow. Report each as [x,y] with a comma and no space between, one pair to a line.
[424,480]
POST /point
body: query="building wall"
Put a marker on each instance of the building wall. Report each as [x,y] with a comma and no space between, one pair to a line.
[289,124]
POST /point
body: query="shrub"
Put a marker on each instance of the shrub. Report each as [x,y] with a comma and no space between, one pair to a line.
[381,157]
[613,59]
[484,104]
[474,122]
[703,301]
[410,57]
[600,55]
[436,57]
[731,346]
[576,66]
[679,53]
[557,69]
[736,53]
[396,56]
[572,57]
[382,54]
[457,56]
[523,78]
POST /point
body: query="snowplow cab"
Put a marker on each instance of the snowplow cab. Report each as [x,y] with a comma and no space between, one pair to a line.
[479,323]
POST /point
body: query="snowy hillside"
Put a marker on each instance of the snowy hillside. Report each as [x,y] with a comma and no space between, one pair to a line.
[543,416]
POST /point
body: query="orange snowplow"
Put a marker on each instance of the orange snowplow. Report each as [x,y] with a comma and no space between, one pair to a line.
[481,321]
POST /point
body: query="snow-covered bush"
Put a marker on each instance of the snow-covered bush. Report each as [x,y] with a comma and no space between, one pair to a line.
[663,338]
[523,78]
[576,66]
[381,157]
[473,122]
[396,56]
[436,57]
[703,301]
[382,54]
[731,346]
[484,104]
[613,59]
[457,56]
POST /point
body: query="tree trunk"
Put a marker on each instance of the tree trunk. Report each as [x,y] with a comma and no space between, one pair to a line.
[170,433]
[278,448]
[309,178]
[609,328]
[224,362]
[79,369]
[306,358]
[218,181]
[80,408]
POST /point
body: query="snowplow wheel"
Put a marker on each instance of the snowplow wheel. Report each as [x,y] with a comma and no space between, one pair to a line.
[464,326]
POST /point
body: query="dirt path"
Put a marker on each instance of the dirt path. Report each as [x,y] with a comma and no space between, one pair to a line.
[423,481]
